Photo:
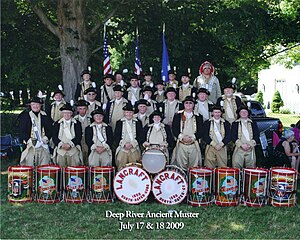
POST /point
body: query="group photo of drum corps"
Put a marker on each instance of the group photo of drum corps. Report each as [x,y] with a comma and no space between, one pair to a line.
[190,123]
[147,133]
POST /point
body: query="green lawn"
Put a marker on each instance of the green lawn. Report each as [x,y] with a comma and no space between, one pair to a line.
[286,119]
[89,221]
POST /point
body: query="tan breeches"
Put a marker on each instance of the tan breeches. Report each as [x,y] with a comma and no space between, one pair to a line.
[241,158]
[214,158]
[186,156]
[124,157]
[102,159]
[35,157]
[68,160]
[85,152]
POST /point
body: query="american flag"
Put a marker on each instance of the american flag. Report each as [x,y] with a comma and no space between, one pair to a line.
[106,62]
[137,64]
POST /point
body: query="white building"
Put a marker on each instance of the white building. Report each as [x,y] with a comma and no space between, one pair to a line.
[286,81]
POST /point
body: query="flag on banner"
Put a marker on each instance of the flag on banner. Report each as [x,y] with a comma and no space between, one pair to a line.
[165,61]
[137,64]
[106,63]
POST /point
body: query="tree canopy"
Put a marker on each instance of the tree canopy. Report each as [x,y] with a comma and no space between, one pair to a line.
[238,36]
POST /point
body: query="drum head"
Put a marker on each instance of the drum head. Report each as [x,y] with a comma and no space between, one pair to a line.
[169,187]
[132,185]
[154,161]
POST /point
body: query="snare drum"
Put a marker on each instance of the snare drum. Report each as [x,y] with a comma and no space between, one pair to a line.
[255,187]
[154,160]
[170,186]
[200,186]
[48,186]
[283,184]
[227,186]
[20,183]
[101,184]
[132,184]
[75,184]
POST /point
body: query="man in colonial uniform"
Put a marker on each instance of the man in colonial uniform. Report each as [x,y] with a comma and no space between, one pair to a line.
[186,89]
[170,106]
[148,80]
[159,94]
[187,130]
[245,135]
[91,94]
[99,138]
[147,93]
[67,135]
[172,81]
[216,135]
[128,136]
[133,93]
[203,105]
[106,90]
[158,134]
[230,103]
[35,132]
[81,87]
[54,111]
[85,120]
[142,114]
[114,109]
[119,79]
[208,80]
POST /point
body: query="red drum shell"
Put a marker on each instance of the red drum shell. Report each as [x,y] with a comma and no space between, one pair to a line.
[20,184]
[227,182]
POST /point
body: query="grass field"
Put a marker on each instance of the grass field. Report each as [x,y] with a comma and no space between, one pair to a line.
[89,221]
[286,119]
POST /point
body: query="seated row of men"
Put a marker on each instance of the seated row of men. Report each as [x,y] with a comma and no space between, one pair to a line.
[122,136]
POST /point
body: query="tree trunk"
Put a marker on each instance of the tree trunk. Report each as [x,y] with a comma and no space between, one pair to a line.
[73,43]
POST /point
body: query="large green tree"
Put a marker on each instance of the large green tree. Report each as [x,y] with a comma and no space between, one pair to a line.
[237,36]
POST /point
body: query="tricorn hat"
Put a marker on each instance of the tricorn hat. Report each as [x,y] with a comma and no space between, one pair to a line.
[36,100]
[97,111]
[82,103]
[128,107]
[66,107]
[203,90]
[85,72]
[90,89]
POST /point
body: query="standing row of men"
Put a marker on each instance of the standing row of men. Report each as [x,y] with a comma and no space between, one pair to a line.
[125,121]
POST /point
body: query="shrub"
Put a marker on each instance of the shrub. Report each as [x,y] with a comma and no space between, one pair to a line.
[285,111]
[260,97]
[276,102]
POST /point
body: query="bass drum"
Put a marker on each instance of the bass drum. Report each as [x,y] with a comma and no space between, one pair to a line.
[154,160]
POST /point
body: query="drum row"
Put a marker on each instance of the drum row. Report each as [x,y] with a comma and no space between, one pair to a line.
[132,185]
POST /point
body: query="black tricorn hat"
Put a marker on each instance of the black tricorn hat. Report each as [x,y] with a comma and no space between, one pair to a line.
[189,98]
[36,100]
[216,107]
[82,103]
[170,89]
[156,113]
[147,74]
[203,90]
[97,111]
[147,88]
[171,72]
[134,76]
[229,85]
[90,89]
[109,76]
[142,101]
[186,74]
[161,82]
[66,107]
[118,88]
[85,72]
[128,107]
[243,107]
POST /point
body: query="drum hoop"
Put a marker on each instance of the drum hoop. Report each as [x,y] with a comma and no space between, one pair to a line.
[103,169]
[20,168]
[122,200]
[193,170]
[48,168]
[227,170]
[76,169]
[278,170]
[260,171]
